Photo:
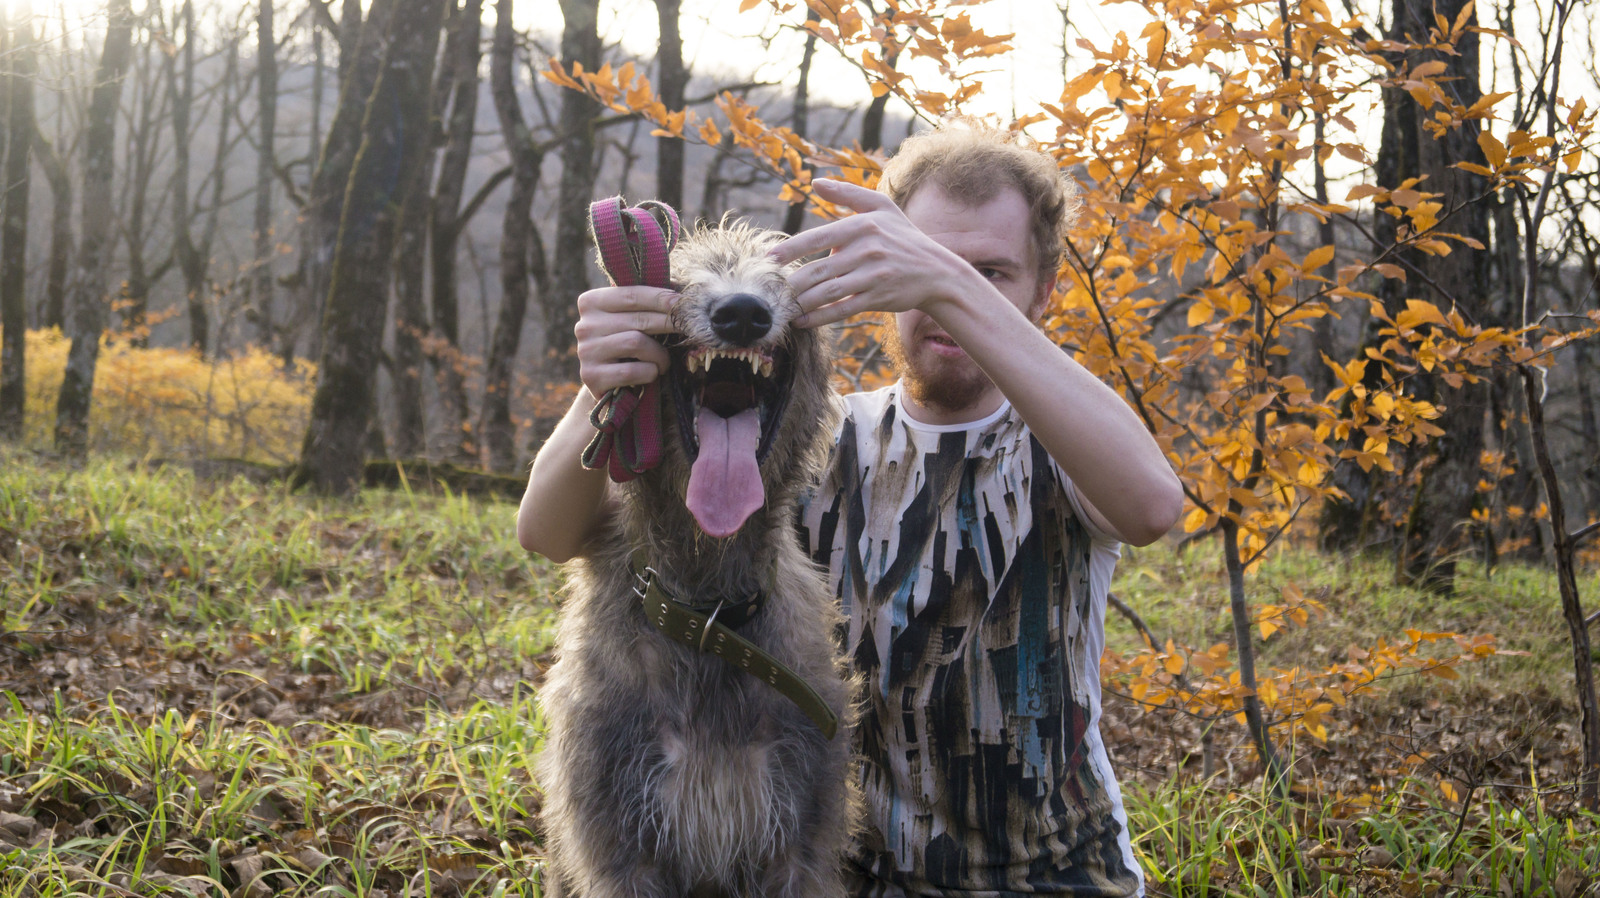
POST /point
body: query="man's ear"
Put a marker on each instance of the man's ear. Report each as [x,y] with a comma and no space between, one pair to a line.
[1041,299]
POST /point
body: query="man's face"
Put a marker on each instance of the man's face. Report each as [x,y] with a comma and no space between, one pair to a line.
[992,237]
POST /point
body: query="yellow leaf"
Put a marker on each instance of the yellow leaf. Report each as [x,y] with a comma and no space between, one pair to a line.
[1449,791]
[1200,313]
[1267,629]
[1156,47]
[1493,149]
[1317,258]
[1572,159]
[1112,84]
[748,5]
[1173,664]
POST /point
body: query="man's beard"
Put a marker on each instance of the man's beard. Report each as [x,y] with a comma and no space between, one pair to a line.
[943,384]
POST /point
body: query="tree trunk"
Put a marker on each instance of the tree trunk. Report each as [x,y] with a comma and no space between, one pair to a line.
[1432,534]
[192,263]
[89,300]
[580,43]
[259,284]
[671,79]
[410,322]
[794,217]
[1571,605]
[463,54]
[1435,534]
[20,127]
[393,142]
[53,312]
[361,49]
[144,144]
[1276,772]
[495,426]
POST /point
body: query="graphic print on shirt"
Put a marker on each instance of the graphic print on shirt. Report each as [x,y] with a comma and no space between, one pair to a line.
[971,619]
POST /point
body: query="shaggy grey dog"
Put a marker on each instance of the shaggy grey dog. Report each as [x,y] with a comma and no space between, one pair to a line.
[669,771]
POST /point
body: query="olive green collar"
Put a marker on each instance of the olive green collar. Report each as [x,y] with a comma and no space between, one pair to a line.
[710,629]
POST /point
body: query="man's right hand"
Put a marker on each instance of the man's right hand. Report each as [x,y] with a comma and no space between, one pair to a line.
[615,329]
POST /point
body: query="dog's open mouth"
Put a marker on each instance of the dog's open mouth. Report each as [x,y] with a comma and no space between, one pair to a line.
[729,402]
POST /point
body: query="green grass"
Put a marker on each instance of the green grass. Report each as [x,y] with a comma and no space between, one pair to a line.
[206,685]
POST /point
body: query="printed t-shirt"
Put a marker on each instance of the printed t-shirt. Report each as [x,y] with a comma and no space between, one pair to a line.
[974,589]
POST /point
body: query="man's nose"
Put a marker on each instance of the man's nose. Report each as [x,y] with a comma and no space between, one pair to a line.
[741,319]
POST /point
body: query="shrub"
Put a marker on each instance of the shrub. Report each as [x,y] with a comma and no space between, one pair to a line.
[172,402]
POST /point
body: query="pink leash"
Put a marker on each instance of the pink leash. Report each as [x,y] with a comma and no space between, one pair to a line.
[635,245]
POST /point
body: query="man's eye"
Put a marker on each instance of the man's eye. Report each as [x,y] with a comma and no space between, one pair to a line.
[991,274]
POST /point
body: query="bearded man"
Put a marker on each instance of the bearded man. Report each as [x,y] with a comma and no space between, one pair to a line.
[969,522]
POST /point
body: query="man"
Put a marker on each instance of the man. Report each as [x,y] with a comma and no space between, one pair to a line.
[969,522]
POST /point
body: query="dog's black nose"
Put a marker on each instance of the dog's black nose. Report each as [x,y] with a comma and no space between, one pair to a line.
[742,319]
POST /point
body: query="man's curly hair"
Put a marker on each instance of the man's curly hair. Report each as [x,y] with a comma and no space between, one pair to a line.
[971,160]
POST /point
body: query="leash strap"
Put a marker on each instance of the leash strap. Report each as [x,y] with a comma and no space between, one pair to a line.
[635,245]
[708,633]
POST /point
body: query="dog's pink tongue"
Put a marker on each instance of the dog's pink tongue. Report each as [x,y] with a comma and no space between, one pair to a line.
[725,483]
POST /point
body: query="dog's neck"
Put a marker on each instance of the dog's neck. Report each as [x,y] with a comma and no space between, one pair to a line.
[685,556]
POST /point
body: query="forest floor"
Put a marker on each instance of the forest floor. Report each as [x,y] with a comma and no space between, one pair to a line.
[211,686]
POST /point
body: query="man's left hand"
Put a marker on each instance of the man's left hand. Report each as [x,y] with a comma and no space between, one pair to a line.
[878,261]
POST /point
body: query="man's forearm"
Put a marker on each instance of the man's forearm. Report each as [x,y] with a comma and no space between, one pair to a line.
[1085,426]
[565,503]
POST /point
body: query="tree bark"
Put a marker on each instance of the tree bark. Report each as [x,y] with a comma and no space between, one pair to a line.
[20,127]
[1436,535]
[144,145]
[495,427]
[53,312]
[393,142]
[361,49]
[794,217]
[89,300]
[259,284]
[1432,536]
[463,54]
[1571,604]
[580,43]
[671,80]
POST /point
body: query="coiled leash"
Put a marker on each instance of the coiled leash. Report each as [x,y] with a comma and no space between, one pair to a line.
[635,245]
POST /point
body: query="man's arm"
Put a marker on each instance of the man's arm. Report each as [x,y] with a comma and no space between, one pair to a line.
[565,503]
[882,263]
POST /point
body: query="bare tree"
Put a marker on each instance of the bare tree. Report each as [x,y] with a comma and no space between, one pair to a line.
[145,127]
[462,55]
[89,306]
[192,255]
[519,241]
[20,127]
[392,146]
[60,253]
[359,64]
[580,43]
[259,284]
[671,78]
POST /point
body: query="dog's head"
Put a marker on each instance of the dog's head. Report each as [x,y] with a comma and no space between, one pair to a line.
[749,390]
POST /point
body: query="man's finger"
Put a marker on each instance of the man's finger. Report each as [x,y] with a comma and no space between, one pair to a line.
[834,312]
[851,196]
[829,236]
[627,299]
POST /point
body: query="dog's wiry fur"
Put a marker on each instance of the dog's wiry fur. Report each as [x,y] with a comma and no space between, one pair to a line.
[668,771]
